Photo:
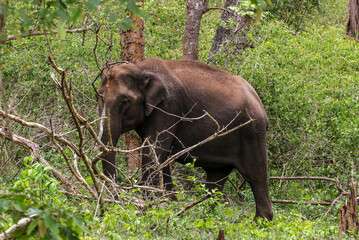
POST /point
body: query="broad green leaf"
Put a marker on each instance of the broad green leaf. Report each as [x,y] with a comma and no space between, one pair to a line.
[62,14]
[132,207]
[95,2]
[3,9]
[52,188]
[89,180]
[125,24]
[61,30]
[75,13]
[113,17]
[32,226]
[42,228]
[132,7]
[79,223]
[89,6]
[51,223]
[92,5]
[4,205]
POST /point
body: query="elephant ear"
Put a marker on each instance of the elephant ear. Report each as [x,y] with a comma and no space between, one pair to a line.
[155,91]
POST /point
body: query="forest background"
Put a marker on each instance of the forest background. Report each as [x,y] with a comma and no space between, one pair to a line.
[301,63]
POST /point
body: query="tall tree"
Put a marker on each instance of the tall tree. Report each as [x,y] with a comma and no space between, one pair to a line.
[133,51]
[226,34]
[353,19]
[194,11]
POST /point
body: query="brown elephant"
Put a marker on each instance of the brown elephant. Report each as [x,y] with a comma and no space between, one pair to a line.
[163,101]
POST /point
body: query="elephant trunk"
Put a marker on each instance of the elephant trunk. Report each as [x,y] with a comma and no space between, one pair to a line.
[106,133]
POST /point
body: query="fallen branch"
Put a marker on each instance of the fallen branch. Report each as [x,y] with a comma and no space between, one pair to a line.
[39,33]
[193,204]
[299,202]
[21,224]
[35,150]
[336,181]
[338,184]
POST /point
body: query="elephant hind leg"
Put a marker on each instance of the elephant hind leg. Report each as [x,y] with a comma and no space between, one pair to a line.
[253,167]
[217,177]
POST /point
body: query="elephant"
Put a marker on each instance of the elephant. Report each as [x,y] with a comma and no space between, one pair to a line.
[175,104]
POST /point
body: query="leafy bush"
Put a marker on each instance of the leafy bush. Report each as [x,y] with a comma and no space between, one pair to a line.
[307,80]
[35,195]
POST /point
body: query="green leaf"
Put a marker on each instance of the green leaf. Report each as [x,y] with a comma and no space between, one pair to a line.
[75,13]
[125,24]
[52,188]
[113,17]
[79,223]
[132,207]
[61,30]
[32,226]
[132,7]
[62,14]
[3,9]
[92,5]
[4,205]
[51,223]
[42,227]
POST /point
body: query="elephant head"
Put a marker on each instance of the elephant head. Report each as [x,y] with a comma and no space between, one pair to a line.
[126,96]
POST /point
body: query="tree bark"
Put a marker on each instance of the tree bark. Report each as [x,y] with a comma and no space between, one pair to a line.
[194,11]
[19,226]
[353,20]
[237,34]
[3,13]
[348,213]
[133,51]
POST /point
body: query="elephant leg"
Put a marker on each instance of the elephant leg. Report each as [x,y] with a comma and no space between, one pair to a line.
[150,174]
[216,177]
[252,165]
[109,166]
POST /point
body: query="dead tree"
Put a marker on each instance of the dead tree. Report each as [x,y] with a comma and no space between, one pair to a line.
[348,213]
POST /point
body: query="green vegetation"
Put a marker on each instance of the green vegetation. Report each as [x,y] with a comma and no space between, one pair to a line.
[308,81]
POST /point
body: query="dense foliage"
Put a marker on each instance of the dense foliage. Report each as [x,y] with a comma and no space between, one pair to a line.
[307,80]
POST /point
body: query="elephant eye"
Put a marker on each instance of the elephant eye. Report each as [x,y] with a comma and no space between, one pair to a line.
[124,102]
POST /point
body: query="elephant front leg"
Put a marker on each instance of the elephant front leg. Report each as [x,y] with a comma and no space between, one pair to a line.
[151,175]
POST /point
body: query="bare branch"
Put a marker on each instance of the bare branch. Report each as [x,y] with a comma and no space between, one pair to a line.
[35,150]
[219,8]
[216,135]
[193,204]
[336,181]
[39,33]
[65,88]
[297,202]
[21,224]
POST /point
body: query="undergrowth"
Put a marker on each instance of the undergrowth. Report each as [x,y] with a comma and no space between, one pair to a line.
[307,80]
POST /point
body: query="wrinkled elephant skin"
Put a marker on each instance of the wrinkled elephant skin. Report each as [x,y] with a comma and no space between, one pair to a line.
[153,95]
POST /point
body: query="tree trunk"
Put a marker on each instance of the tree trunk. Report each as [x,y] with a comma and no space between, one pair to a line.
[133,51]
[3,13]
[194,11]
[237,34]
[353,19]
[348,213]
